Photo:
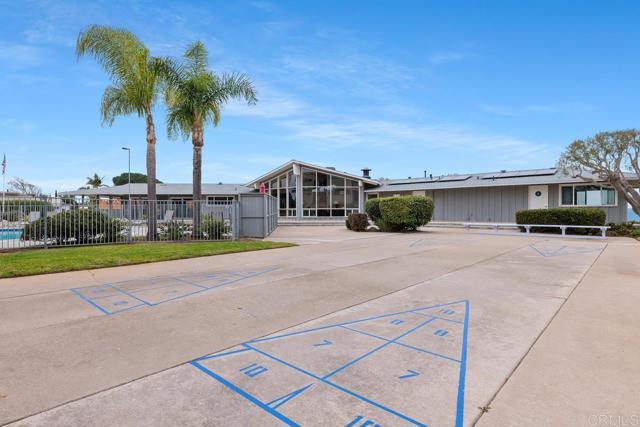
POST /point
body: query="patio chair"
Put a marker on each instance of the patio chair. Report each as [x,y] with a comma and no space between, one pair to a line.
[168,216]
[34,216]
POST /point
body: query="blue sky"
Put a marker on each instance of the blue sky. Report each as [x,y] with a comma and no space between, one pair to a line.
[400,87]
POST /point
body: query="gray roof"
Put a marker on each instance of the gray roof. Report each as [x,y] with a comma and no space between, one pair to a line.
[287,166]
[485,179]
[162,190]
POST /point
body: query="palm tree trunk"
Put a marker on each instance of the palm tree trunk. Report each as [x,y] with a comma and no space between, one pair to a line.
[198,142]
[151,177]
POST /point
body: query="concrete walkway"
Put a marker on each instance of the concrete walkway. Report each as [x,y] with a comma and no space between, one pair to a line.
[585,368]
[116,349]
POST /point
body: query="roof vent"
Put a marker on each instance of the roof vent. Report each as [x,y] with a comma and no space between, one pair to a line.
[366,173]
[503,171]
[331,167]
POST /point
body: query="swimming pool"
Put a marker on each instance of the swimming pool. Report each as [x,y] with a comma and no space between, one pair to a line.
[10,233]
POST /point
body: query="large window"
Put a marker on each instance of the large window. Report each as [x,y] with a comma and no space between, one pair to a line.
[284,189]
[587,195]
[328,195]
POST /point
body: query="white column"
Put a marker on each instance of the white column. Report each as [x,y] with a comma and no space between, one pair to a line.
[297,172]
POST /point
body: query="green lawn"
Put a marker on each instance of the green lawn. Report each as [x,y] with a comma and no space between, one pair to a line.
[40,261]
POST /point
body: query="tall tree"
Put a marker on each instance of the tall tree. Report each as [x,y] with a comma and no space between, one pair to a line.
[195,97]
[95,181]
[21,186]
[136,81]
[610,156]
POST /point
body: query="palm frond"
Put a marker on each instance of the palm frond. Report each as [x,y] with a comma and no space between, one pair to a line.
[195,95]
[115,102]
[235,85]
[197,57]
[118,51]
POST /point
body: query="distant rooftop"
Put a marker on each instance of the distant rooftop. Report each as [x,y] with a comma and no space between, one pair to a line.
[162,190]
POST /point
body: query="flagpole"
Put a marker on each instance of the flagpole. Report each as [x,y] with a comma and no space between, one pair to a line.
[3,175]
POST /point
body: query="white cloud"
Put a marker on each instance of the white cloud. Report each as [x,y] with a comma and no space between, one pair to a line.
[272,104]
[400,135]
[20,55]
[265,6]
[447,56]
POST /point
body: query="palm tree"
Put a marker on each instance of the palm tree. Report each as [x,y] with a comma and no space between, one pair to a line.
[195,97]
[95,181]
[136,81]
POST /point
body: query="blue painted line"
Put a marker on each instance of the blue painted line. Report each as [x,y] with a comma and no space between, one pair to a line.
[463,369]
[216,355]
[336,386]
[440,318]
[323,343]
[275,403]
[129,294]
[403,344]
[113,286]
[175,298]
[350,322]
[380,347]
[411,374]
[87,300]
[246,395]
[416,242]
[364,333]
[189,283]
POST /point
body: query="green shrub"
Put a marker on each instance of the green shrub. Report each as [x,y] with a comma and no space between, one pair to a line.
[358,221]
[214,228]
[347,223]
[404,213]
[174,230]
[562,216]
[74,227]
[625,229]
[372,208]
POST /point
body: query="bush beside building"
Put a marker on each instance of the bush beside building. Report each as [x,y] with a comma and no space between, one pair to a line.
[401,213]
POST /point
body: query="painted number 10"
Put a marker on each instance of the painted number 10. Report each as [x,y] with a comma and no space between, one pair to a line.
[359,421]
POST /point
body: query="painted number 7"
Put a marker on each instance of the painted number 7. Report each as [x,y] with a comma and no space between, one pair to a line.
[359,421]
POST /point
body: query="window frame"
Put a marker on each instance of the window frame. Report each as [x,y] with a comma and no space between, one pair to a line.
[573,192]
[221,200]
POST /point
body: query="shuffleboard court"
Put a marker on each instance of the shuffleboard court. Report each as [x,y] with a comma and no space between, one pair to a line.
[369,365]
[114,298]
[388,331]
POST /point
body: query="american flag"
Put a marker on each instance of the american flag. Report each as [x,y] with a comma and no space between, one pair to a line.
[4,163]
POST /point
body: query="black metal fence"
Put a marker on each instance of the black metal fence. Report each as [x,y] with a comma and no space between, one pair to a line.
[59,222]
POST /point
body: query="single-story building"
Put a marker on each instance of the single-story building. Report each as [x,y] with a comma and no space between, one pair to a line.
[312,193]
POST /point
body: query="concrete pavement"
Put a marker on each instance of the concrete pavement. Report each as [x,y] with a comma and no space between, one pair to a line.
[58,348]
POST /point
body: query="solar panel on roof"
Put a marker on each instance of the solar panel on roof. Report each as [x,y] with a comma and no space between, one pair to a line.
[411,181]
[454,178]
[520,174]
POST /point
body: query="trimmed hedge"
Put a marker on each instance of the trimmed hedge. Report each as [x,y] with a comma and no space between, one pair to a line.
[357,222]
[625,229]
[404,213]
[372,208]
[562,216]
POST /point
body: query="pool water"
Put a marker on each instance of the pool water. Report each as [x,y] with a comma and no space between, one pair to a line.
[10,233]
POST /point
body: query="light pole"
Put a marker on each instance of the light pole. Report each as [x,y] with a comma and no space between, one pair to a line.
[128,150]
